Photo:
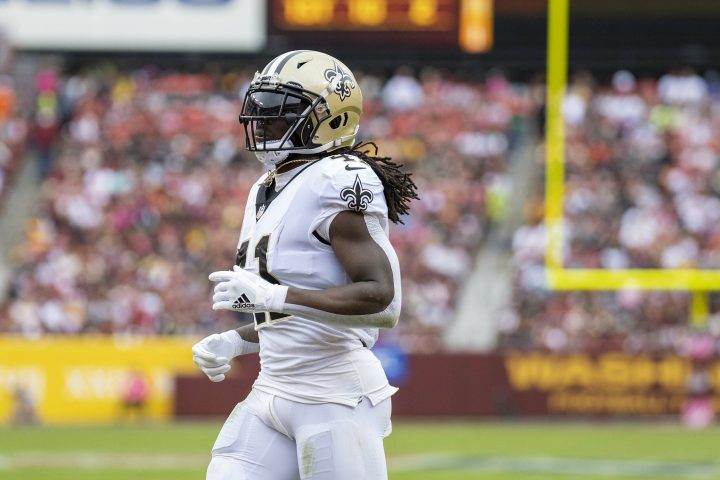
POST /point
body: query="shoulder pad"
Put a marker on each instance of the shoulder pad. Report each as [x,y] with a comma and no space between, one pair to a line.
[349,183]
[345,183]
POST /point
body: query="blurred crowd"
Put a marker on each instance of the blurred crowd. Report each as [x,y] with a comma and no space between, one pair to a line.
[140,199]
[642,191]
[146,176]
[456,137]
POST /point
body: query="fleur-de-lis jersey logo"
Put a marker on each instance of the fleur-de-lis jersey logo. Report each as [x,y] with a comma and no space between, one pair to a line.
[346,83]
[357,197]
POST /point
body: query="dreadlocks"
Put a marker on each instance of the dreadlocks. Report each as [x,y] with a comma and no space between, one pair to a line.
[398,187]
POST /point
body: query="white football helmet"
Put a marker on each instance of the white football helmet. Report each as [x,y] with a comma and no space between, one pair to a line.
[303,102]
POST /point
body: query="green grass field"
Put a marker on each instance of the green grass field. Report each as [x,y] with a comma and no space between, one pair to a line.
[417,451]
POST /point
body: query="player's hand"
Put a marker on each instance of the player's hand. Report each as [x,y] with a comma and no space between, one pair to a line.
[213,354]
[243,291]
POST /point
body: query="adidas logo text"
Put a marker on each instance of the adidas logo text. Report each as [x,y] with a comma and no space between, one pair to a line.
[243,302]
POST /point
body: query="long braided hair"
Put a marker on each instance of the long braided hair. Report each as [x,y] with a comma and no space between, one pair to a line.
[398,187]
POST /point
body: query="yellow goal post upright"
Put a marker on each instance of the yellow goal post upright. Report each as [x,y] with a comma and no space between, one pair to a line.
[698,282]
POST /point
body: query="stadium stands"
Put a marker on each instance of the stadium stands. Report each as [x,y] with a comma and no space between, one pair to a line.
[150,175]
[642,191]
[146,191]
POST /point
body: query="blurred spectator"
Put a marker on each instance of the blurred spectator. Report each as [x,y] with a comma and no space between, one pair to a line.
[13,133]
[23,407]
[698,410]
[682,87]
[403,91]
[135,395]
[46,120]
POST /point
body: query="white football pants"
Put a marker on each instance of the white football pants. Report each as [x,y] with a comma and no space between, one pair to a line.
[270,438]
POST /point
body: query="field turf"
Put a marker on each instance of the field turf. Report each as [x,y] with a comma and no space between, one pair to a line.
[415,451]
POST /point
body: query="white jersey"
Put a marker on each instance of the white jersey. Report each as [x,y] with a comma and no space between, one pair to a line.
[285,239]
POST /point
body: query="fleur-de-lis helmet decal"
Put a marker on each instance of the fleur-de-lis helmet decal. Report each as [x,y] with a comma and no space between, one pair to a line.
[344,85]
[357,197]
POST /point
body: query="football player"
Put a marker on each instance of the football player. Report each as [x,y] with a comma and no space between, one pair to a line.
[315,267]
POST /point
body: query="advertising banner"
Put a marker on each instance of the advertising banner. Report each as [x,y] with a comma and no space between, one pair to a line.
[607,384]
[90,379]
[108,380]
[150,25]
[512,384]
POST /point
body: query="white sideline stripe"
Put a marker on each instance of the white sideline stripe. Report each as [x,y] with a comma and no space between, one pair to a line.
[101,460]
[425,462]
[556,465]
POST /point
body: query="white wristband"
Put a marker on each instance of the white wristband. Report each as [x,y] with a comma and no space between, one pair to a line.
[273,297]
[241,346]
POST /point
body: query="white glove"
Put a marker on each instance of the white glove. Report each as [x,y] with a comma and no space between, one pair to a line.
[213,354]
[244,291]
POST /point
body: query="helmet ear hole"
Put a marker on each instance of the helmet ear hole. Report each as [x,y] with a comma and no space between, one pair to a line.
[335,122]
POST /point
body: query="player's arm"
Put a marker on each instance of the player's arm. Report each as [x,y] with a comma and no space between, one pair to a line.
[351,204]
[365,263]
[371,300]
[248,333]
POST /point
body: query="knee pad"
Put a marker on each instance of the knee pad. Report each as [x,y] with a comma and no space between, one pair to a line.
[330,451]
[222,468]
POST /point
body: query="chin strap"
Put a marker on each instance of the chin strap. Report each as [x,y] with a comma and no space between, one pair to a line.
[271,158]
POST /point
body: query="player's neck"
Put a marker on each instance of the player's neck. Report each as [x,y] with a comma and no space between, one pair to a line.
[294,161]
[291,163]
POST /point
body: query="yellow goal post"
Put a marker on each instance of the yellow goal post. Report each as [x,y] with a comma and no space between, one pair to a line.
[698,282]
